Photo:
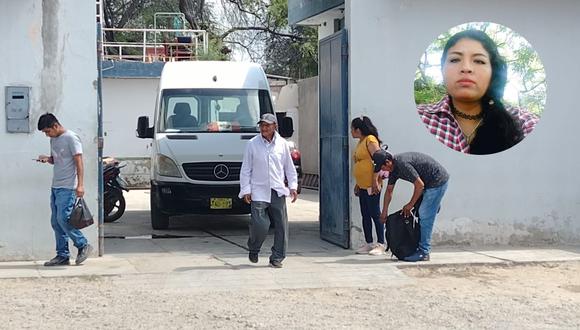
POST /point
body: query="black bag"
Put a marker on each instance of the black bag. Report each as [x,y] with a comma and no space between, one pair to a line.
[80,216]
[403,234]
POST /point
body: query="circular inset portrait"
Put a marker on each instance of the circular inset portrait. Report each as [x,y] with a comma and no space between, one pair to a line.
[480,88]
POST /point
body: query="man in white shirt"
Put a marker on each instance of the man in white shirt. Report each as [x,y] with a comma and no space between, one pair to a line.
[267,162]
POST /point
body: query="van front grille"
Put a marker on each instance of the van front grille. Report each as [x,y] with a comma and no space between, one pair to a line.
[213,171]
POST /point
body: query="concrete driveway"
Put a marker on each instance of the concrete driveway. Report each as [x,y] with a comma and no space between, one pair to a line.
[197,275]
[212,249]
[209,253]
[204,234]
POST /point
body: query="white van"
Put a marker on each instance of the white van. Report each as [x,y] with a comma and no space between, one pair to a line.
[205,114]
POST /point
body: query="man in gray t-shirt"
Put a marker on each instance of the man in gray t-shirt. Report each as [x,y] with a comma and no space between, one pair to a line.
[63,150]
[429,179]
[66,154]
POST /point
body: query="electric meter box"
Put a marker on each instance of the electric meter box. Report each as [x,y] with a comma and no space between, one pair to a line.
[17,109]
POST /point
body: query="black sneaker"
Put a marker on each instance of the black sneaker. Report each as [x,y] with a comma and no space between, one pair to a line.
[275,264]
[58,261]
[83,254]
[418,256]
[253,257]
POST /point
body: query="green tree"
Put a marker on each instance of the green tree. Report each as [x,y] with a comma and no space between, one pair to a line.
[257,28]
[293,57]
[428,91]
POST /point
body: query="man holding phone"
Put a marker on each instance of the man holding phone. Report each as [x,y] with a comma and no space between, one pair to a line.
[66,155]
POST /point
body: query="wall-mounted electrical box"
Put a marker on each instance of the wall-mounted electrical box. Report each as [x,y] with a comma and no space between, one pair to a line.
[17,109]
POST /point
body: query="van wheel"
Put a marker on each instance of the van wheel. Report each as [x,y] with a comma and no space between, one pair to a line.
[158,219]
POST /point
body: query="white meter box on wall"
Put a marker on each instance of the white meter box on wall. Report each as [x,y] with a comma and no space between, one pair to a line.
[17,109]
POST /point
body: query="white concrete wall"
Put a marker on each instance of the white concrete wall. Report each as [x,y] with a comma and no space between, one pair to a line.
[326,28]
[325,22]
[124,100]
[309,138]
[528,194]
[49,46]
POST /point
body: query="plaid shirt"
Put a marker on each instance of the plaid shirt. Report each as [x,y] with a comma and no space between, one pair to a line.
[441,123]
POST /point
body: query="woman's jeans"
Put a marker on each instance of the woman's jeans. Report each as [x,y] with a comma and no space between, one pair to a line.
[370,208]
[61,204]
[427,212]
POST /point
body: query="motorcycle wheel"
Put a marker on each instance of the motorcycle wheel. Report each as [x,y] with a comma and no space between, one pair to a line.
[116,208]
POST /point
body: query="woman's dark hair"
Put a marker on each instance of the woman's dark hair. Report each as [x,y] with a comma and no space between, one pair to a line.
[48,120]
[499,130]
[366,127]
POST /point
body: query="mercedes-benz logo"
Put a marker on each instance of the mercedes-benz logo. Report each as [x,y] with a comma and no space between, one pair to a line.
[221,171]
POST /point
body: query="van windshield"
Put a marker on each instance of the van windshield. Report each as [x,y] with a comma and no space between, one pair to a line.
[212,110]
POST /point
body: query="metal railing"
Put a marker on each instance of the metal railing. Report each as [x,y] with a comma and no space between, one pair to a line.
[99,10]
[151,45]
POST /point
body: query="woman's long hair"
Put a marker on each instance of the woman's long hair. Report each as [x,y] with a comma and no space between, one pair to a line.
[366,127]
[499,130]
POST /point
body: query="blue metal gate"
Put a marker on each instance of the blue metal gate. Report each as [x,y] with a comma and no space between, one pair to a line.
[334,158]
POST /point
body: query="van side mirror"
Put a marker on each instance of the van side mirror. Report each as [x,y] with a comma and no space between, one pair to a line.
[143,129]
[286,127]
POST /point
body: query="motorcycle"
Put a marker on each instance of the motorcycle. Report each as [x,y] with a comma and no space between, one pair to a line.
[114,184]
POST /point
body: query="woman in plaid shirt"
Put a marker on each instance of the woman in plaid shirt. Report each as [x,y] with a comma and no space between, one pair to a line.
[471,118]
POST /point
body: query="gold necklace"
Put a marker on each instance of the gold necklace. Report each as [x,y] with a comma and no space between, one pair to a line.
[471,135]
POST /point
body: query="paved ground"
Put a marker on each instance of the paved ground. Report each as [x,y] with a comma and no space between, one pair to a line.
[197,276]
[211,250]
[541,296]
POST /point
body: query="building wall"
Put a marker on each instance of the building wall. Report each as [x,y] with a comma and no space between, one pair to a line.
[309,138]
[124,100]
[50,46]
[299,10]
[526,195]
[326,28]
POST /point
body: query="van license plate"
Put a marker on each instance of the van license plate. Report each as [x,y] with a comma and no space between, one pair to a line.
[220,203]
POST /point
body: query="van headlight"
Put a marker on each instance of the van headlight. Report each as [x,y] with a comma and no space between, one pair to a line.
[167,167]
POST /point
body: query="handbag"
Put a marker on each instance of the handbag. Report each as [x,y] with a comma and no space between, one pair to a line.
[81,216]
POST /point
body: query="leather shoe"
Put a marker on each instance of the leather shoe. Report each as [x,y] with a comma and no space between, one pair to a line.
[83,254]
[275,264]
[57,261]
[253,257]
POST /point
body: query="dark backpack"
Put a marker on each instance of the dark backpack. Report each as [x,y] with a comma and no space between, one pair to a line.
[402,234]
